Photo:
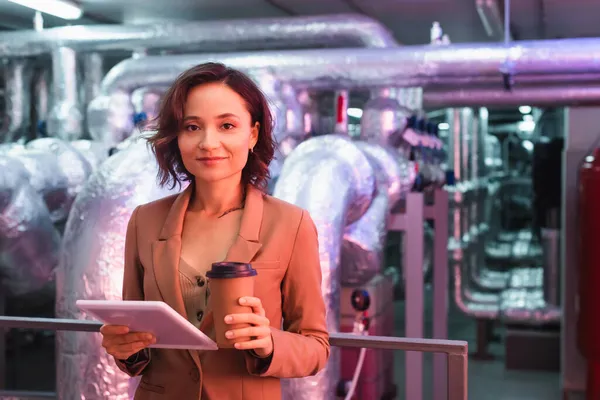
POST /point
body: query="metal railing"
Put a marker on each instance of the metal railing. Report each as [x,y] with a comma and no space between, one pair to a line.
[457,350]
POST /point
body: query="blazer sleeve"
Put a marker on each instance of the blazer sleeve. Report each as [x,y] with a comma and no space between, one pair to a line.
[302,348]
[133,290]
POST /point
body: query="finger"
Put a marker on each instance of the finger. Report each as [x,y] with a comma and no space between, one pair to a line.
[130,348]
[114,329]
[122,340]
[253,331]
[253,344]
[247,318]
[255,303]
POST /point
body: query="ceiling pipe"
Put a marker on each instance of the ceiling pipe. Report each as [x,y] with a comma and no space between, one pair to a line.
[224,35]
[540,96]
[408,66]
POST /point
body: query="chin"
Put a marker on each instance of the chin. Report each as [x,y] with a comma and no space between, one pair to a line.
[212,177]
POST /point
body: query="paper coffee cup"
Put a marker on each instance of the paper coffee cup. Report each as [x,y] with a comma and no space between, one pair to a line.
[228,282]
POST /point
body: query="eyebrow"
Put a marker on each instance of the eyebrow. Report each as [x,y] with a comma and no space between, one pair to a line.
[221,116]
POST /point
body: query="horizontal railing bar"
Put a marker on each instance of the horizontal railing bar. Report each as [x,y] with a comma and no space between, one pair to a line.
[26,395]
[399,343]
[335,339]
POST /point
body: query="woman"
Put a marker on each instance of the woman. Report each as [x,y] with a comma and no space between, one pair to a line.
[214,130]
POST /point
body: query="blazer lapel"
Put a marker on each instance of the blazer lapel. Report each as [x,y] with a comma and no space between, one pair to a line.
[166,252]
[247,242]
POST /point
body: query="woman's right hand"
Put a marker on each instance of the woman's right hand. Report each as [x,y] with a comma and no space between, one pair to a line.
[122,344]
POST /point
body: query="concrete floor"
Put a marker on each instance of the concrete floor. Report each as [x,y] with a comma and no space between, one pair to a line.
[34,369]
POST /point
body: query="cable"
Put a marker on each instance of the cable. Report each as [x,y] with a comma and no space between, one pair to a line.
[359,329]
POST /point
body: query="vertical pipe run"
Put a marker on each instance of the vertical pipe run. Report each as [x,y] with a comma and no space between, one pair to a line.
[65,120]
[17,99]
[93,72]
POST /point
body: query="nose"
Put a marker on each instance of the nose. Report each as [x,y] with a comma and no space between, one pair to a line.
[210,140]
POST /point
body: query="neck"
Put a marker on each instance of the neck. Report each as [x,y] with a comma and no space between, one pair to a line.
[215,198]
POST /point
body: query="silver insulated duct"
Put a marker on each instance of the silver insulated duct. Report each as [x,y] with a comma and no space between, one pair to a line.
[364,240]
[65,119]
[225,35]
[93,72]
[29,243]
[408,66]
[17,98]
[91,267]
[331,178]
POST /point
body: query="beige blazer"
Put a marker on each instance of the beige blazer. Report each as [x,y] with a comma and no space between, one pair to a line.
[280,240]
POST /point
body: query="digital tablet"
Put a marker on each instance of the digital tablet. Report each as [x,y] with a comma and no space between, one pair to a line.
[171,330]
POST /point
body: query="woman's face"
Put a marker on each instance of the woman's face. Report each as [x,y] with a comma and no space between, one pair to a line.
[217,133]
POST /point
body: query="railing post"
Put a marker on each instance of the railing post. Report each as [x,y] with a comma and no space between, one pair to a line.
[457,377]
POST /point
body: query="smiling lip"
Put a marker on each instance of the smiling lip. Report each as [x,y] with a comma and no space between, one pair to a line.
[210,160]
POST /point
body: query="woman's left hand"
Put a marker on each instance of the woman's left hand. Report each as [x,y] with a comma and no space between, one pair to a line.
[261,341]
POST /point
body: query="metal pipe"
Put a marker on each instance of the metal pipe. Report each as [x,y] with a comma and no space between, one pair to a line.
[541,96]
[223,35]
[408,66]
[30,244]
[17,76]
[331,178]
[93,72]
[41,96]
[472,303]
[65,120]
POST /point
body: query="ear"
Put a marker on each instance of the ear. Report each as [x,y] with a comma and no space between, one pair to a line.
[254,134]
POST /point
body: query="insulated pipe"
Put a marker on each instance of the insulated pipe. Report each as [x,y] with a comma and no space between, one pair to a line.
[541,96]
[41,96]
[408,66]
[17,76]
[91,267]
[65,120]
[332,179]
[93,72]
[472,303]
[29,243]
[364,240]
[223,35]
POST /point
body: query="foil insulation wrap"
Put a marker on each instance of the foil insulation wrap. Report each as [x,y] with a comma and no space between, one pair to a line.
[17,99]
[71,163]
[383,117]
[362,249]
[343,30]
[47,179]
[29,243]
[65,119]
[110,118]
[333,180]
[93,72]
[41,92]
[91,267]
[410,66]
[94,152]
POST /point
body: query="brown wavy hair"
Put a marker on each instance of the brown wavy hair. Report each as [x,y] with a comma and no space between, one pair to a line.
[169,122]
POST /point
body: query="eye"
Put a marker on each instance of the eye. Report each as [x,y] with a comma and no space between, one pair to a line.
[227,126]
[192,128]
